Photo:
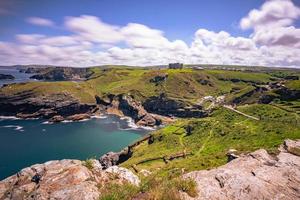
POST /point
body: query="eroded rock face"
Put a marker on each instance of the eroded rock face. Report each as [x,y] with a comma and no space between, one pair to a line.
[125,105]
[165,106]
[27,105]
[253,176]
[62,180]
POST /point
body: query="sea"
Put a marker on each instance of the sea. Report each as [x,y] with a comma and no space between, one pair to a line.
[32,141]
[19,76]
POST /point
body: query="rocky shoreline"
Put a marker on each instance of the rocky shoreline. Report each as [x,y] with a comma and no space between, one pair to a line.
[256,175]
[63,106]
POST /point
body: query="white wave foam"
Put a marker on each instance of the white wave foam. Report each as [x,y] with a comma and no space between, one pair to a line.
[47,122]
[99,116]
[9,117]
[67,121]
[132,125]
[83,120]
[16,127]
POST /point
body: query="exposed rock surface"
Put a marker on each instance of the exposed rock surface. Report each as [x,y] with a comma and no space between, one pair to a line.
[253,176]
[124,174]
[62,180]
[163,105]
[6,77]
[158,79]
[27,105]
[113,158]
[125,105]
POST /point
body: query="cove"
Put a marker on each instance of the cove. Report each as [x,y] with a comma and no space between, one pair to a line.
[27,142]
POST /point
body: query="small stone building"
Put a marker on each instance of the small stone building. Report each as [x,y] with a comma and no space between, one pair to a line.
[175,65]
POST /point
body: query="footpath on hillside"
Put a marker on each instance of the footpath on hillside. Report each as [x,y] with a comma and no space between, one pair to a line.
[239,112]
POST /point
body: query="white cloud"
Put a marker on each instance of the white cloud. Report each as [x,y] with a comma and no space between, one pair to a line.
[93,29]
[280,36]
[40,21]
[273,13]
[272,24]
[90,41]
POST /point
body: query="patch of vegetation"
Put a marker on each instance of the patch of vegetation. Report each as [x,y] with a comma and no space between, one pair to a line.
[114,191]
[293,85]
[88,164]
[155,186]
[213,136]
[186,85]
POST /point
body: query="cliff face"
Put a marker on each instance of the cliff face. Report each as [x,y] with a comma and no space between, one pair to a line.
[27,105]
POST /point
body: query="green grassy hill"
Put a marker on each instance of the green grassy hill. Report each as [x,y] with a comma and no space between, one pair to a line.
[212,137]
[187,85]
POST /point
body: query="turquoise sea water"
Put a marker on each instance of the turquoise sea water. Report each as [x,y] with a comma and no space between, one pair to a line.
[27,142]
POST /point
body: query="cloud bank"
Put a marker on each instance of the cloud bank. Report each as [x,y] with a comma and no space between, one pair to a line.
[274,41]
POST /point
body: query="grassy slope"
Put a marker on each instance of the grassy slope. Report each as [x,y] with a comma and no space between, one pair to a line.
[293,85]
[212,137]
[84,92]
[181,84]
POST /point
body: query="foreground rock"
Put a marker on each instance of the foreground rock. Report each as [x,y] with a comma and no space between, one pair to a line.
[253,176]
[65,179]
[6,77]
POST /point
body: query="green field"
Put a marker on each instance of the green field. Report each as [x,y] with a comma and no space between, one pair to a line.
[213,136]
[187,85]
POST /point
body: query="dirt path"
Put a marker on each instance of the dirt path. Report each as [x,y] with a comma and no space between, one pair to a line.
[239,112]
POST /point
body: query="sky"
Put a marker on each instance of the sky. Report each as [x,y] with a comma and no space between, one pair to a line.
[84,33]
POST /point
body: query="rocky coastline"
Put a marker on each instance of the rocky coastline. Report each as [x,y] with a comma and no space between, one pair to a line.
[256,175]
[59,107]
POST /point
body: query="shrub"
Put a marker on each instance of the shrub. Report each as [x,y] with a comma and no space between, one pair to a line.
[113,191]
[88,164]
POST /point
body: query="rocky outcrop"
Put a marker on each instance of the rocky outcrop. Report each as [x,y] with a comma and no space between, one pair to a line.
[126,105]
[124,173]
[114,158]
[292,147]
[158,79]
[63,180]
[257,175]
[6,77]
[59,73]
[165,106]
[27,105]
[287,94]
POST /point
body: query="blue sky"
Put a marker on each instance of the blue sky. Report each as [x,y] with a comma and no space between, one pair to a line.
[176,20]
